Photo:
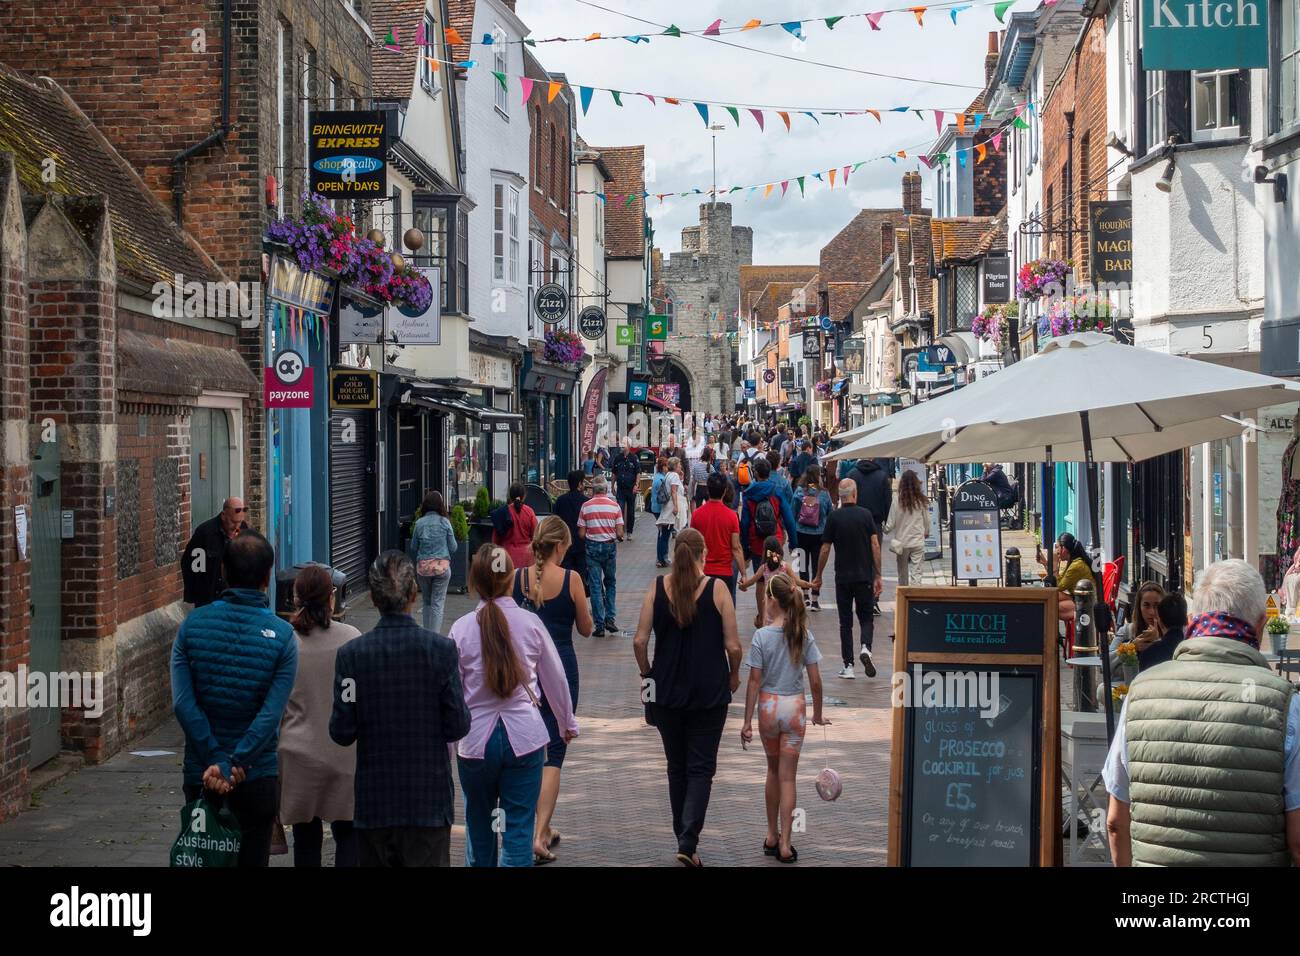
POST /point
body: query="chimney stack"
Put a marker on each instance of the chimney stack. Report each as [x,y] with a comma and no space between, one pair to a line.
[991,58]
[912,193]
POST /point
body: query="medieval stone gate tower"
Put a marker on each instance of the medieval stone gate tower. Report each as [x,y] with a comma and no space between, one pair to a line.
[702,282]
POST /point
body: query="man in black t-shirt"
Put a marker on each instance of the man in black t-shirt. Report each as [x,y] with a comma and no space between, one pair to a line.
[852,532]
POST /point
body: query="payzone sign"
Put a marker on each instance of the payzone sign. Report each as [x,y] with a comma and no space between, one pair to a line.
[1204,34]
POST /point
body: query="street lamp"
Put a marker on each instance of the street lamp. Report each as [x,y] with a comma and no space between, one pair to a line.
[715,129]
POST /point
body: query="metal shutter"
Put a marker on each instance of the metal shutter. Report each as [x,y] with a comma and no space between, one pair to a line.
[352,497]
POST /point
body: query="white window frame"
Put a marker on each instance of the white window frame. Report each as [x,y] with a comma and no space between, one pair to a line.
[505,233]
[1284,57]
[513,235]
[334,91]
[1157,115]
[501,64]
[1217,131]
[429,77]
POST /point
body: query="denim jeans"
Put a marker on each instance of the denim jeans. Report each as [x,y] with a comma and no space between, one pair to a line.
[602,558]
[434,591]
[511,782]
[661,551]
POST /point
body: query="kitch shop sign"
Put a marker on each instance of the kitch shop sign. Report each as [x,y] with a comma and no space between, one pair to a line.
[1204,34]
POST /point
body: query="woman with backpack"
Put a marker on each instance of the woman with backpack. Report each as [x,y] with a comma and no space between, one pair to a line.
[671,499]
[514,525]
[779,654]
[909,522]
[812,507]
[559,599]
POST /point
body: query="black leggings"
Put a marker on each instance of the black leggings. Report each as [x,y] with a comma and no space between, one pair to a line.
[307,839]
[254,804]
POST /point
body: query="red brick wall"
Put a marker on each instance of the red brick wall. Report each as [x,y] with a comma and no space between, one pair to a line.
[855,254]
[1082,88]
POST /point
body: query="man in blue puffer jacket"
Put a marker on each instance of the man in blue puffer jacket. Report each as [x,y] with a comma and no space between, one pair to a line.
[233,667]
[760,490]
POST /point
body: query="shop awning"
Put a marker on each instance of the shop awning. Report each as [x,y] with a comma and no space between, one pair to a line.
[839,386]
[489,419]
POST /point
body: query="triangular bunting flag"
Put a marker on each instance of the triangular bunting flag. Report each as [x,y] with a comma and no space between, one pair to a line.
[814,118]
[452,36]
[634,40]
[961,124]
[785,184]
[531,43]
[902,154]
[961,158]
[899,109]
[938,121]
[618,97]
[794,27]
[584,94]
[847,169]
[672,31]
[630,198]
[671,101]
[421,39]
[979,119]
[1000,9]
[818,177]
[857,166]
[704,112]
[768,191]
[468,64]
[926,160]
[758,117]
[956,10]
[735,114]
[714,29]
[997,140]
[831,21]
[553,90]
[919,115]
[786,117]
[875,113]
[920,14]
[1020,123]
[752,24]
[390,41]
[526,85]
[874,19]
[833,172]
[434,65]
[594,36]
[980,152]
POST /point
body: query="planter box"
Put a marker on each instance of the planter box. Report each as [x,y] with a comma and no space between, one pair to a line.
[480,533]
[459,582]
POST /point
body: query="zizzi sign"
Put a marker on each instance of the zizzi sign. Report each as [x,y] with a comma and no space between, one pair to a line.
[1204,34]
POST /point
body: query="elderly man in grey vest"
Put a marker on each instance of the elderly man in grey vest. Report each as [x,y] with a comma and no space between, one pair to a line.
[1204,769]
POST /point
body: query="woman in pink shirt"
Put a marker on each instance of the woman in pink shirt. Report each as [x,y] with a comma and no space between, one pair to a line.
[505,654]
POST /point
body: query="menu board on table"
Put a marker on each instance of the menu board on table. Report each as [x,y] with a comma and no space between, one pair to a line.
[973,774]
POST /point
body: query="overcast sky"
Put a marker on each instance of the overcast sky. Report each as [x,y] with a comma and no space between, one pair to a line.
[678,146]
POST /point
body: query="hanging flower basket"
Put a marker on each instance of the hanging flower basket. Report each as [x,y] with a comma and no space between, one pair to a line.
[563,347]
[324,241]
[993,323]
[823,388]
[1038,276]
[1085,312]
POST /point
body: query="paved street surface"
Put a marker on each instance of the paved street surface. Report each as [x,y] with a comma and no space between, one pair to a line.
[613,807]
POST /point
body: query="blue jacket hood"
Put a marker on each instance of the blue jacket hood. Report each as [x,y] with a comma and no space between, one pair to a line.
[760,489]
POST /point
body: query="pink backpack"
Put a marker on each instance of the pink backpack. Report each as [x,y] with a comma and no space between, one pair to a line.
[810,511]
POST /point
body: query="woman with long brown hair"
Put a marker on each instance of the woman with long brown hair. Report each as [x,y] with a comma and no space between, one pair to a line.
[778,656]
[688,687]
[909,523]
[507,661]
[558,598]
[316,774]
[513,526]
[432,544]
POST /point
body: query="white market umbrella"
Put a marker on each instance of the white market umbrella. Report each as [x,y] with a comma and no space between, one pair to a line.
[1083,397]
[853,434]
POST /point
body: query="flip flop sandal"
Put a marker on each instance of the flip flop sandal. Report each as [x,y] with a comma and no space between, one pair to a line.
[794,855]
[770,850]
[542,860]
[688,861]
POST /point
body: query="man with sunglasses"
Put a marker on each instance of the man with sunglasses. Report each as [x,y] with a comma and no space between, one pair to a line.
[201,565]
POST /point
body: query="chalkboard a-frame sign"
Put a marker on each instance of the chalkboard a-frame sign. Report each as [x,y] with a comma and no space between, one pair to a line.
[973,777]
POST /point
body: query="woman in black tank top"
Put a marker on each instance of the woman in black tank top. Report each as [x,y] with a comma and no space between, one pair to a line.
[688,687]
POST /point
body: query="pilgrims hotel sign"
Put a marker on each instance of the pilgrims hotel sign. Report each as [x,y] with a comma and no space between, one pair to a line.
[1204,34]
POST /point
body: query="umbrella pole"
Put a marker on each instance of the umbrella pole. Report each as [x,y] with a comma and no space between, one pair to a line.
[1094,523]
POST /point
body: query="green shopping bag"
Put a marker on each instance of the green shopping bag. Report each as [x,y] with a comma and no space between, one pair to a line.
[209,836]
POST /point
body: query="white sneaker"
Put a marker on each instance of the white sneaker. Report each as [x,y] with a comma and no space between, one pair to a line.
[848,674]
[865,656]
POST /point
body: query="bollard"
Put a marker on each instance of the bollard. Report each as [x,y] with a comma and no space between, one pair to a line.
[1013,568]
[1085,645]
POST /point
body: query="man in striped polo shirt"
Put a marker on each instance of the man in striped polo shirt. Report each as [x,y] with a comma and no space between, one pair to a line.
[600,524]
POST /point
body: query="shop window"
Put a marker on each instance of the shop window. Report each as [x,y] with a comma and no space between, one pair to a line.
[443,225]
[1156,119]
[500,65]
[428,75]
[465,463]
[505,233]
[1215,110]
[1284,70]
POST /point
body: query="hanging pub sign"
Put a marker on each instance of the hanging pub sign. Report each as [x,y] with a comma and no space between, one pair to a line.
[787,376]
[551,303]
[997,279]
[976,533]
[346,154]
[360,323]
[974,779]
[408,326]
[1110,240]
[1229,35]
[658,365]
[591,322]
[288,382]
[812,345]
[939,356]
[354,388]
[769,375]
[854,355]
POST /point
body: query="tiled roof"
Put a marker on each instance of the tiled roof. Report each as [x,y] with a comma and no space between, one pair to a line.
[995,237]
[844,296]
[768,302]
[461,19]
[810,297]
[40,121]
[624,223]
[395,71]
[755,279]
[958,238]
[922,261]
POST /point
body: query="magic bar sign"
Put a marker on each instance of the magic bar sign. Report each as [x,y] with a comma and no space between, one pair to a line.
[1110,241]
